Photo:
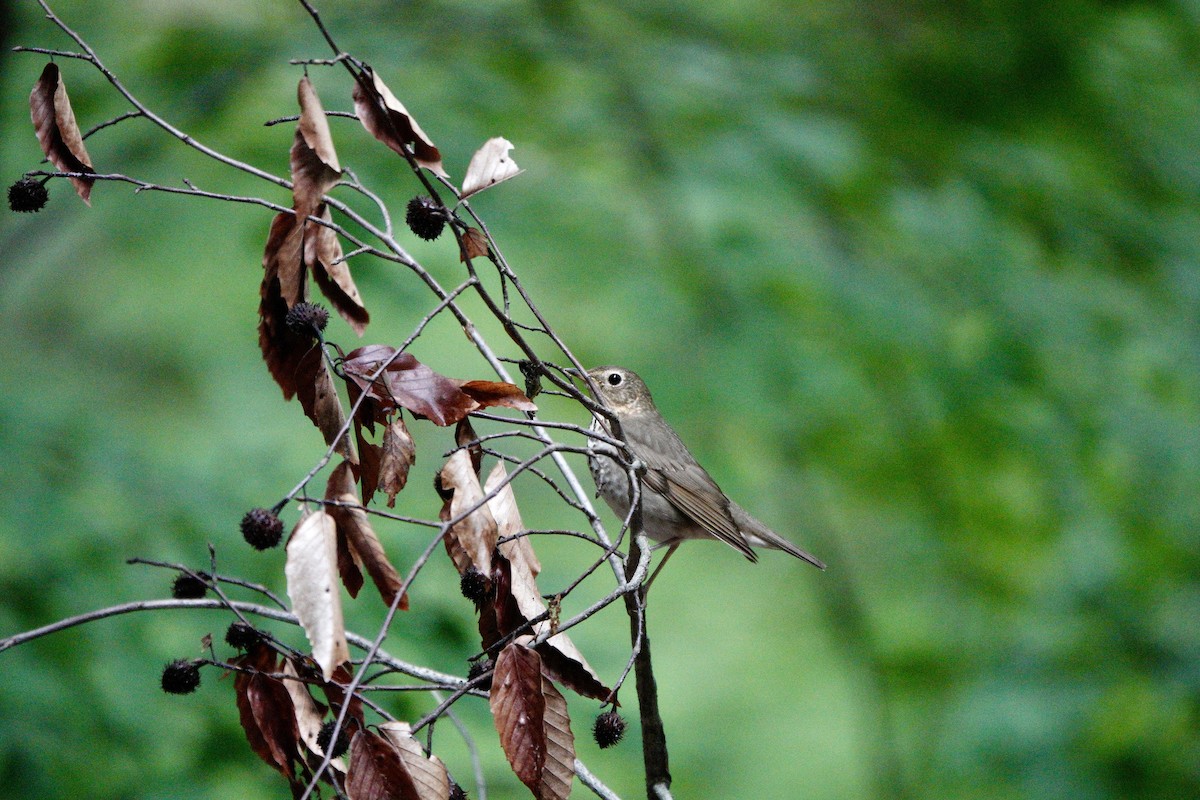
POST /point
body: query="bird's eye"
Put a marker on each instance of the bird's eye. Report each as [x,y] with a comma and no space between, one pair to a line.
[614,379]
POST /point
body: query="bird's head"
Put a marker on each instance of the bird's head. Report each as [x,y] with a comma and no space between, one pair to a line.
[622,390]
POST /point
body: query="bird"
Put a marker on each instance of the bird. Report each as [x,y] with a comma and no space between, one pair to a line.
[680,500]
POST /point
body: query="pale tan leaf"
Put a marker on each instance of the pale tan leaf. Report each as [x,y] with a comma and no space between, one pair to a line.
[352,520]
[518,710]
[428,772]
[558,776]
[309,718]
[490,165]
[323,254]
[386,118]
[399,454]
[508,520]
[56,129]
[376,771]
[315,167]
[312,586]
[471,540]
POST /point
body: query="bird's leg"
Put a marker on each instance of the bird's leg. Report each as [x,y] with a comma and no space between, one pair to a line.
[670,552]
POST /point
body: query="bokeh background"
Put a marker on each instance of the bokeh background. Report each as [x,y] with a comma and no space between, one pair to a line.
[917,280]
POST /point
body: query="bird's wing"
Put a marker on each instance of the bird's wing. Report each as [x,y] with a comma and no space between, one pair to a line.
[673,472]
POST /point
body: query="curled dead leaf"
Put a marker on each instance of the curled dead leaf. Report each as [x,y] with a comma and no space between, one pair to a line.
[518,710]
[352,520]
[57,131]
[376,770]
[428,772]
[397,457]
[490,165]
[315,167]
[323,254]
[471,540]
[474,245]
[386,118]
[312,578]
[558,775]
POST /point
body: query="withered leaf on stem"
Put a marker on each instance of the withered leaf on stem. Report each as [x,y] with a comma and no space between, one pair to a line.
[398,455]
[266,712]
[408,383]
[312,578]
[376,770]
[282,287]
[518,710]
[490,165]
[471,540]
[559,772]
[315,167]
[309,716]
[560,657]
[57,131]
[320,401]
[351,519]
[323,253]
[388,120]
[428,772]
[474,245]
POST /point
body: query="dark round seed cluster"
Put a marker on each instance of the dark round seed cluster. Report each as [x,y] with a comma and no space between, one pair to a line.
[27,195]
[609,729]
[475,585]
[261,528]
[326,733]
[306,319]
[425,218]
[180,677]
[188,586]
[241,636]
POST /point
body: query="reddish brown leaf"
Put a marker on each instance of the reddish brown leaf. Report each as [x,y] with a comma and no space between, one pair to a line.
[323,252]
[267,714]
[496,393]
[293,360]
[559,772]
[428,772]
[315,167]
[376,770]
[471,540]
[349,564]
[474,245]
[408,383]
[57,131]
[320,401]
[312,576]
[398,455]
[490,165]
[388,120]
[518,710]
[335,693]
[352,519]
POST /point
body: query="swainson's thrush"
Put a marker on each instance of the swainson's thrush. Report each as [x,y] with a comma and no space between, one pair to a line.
[680,500]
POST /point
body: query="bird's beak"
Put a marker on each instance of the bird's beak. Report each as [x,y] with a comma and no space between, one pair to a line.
[575,372]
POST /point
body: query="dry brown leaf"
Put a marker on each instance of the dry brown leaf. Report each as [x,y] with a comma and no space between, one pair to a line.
[352,520]
[474,245]
[490,165]
[315,167]
[428,772]
[266,712]
[388,120]
[508,520]
[312,578]
[559,773]
[409,384]
[471,540]
[309,716]
[398,455]
[518,710]
[56,129]
[320,401]
[376,770]
[323,253]
[282,287]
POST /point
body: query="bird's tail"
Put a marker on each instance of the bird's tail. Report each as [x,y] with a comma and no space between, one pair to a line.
[759,535]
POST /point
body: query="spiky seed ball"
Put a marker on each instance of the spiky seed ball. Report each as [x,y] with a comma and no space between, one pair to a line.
[457,792]
[425,218]
[27,195]
[241,636]
[261,528]
[609,729]
[188,586]
[180,677]
[326,733]
[475,585]
[306,319]
[480,667]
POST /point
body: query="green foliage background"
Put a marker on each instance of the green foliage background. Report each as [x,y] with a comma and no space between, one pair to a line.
[917,280]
